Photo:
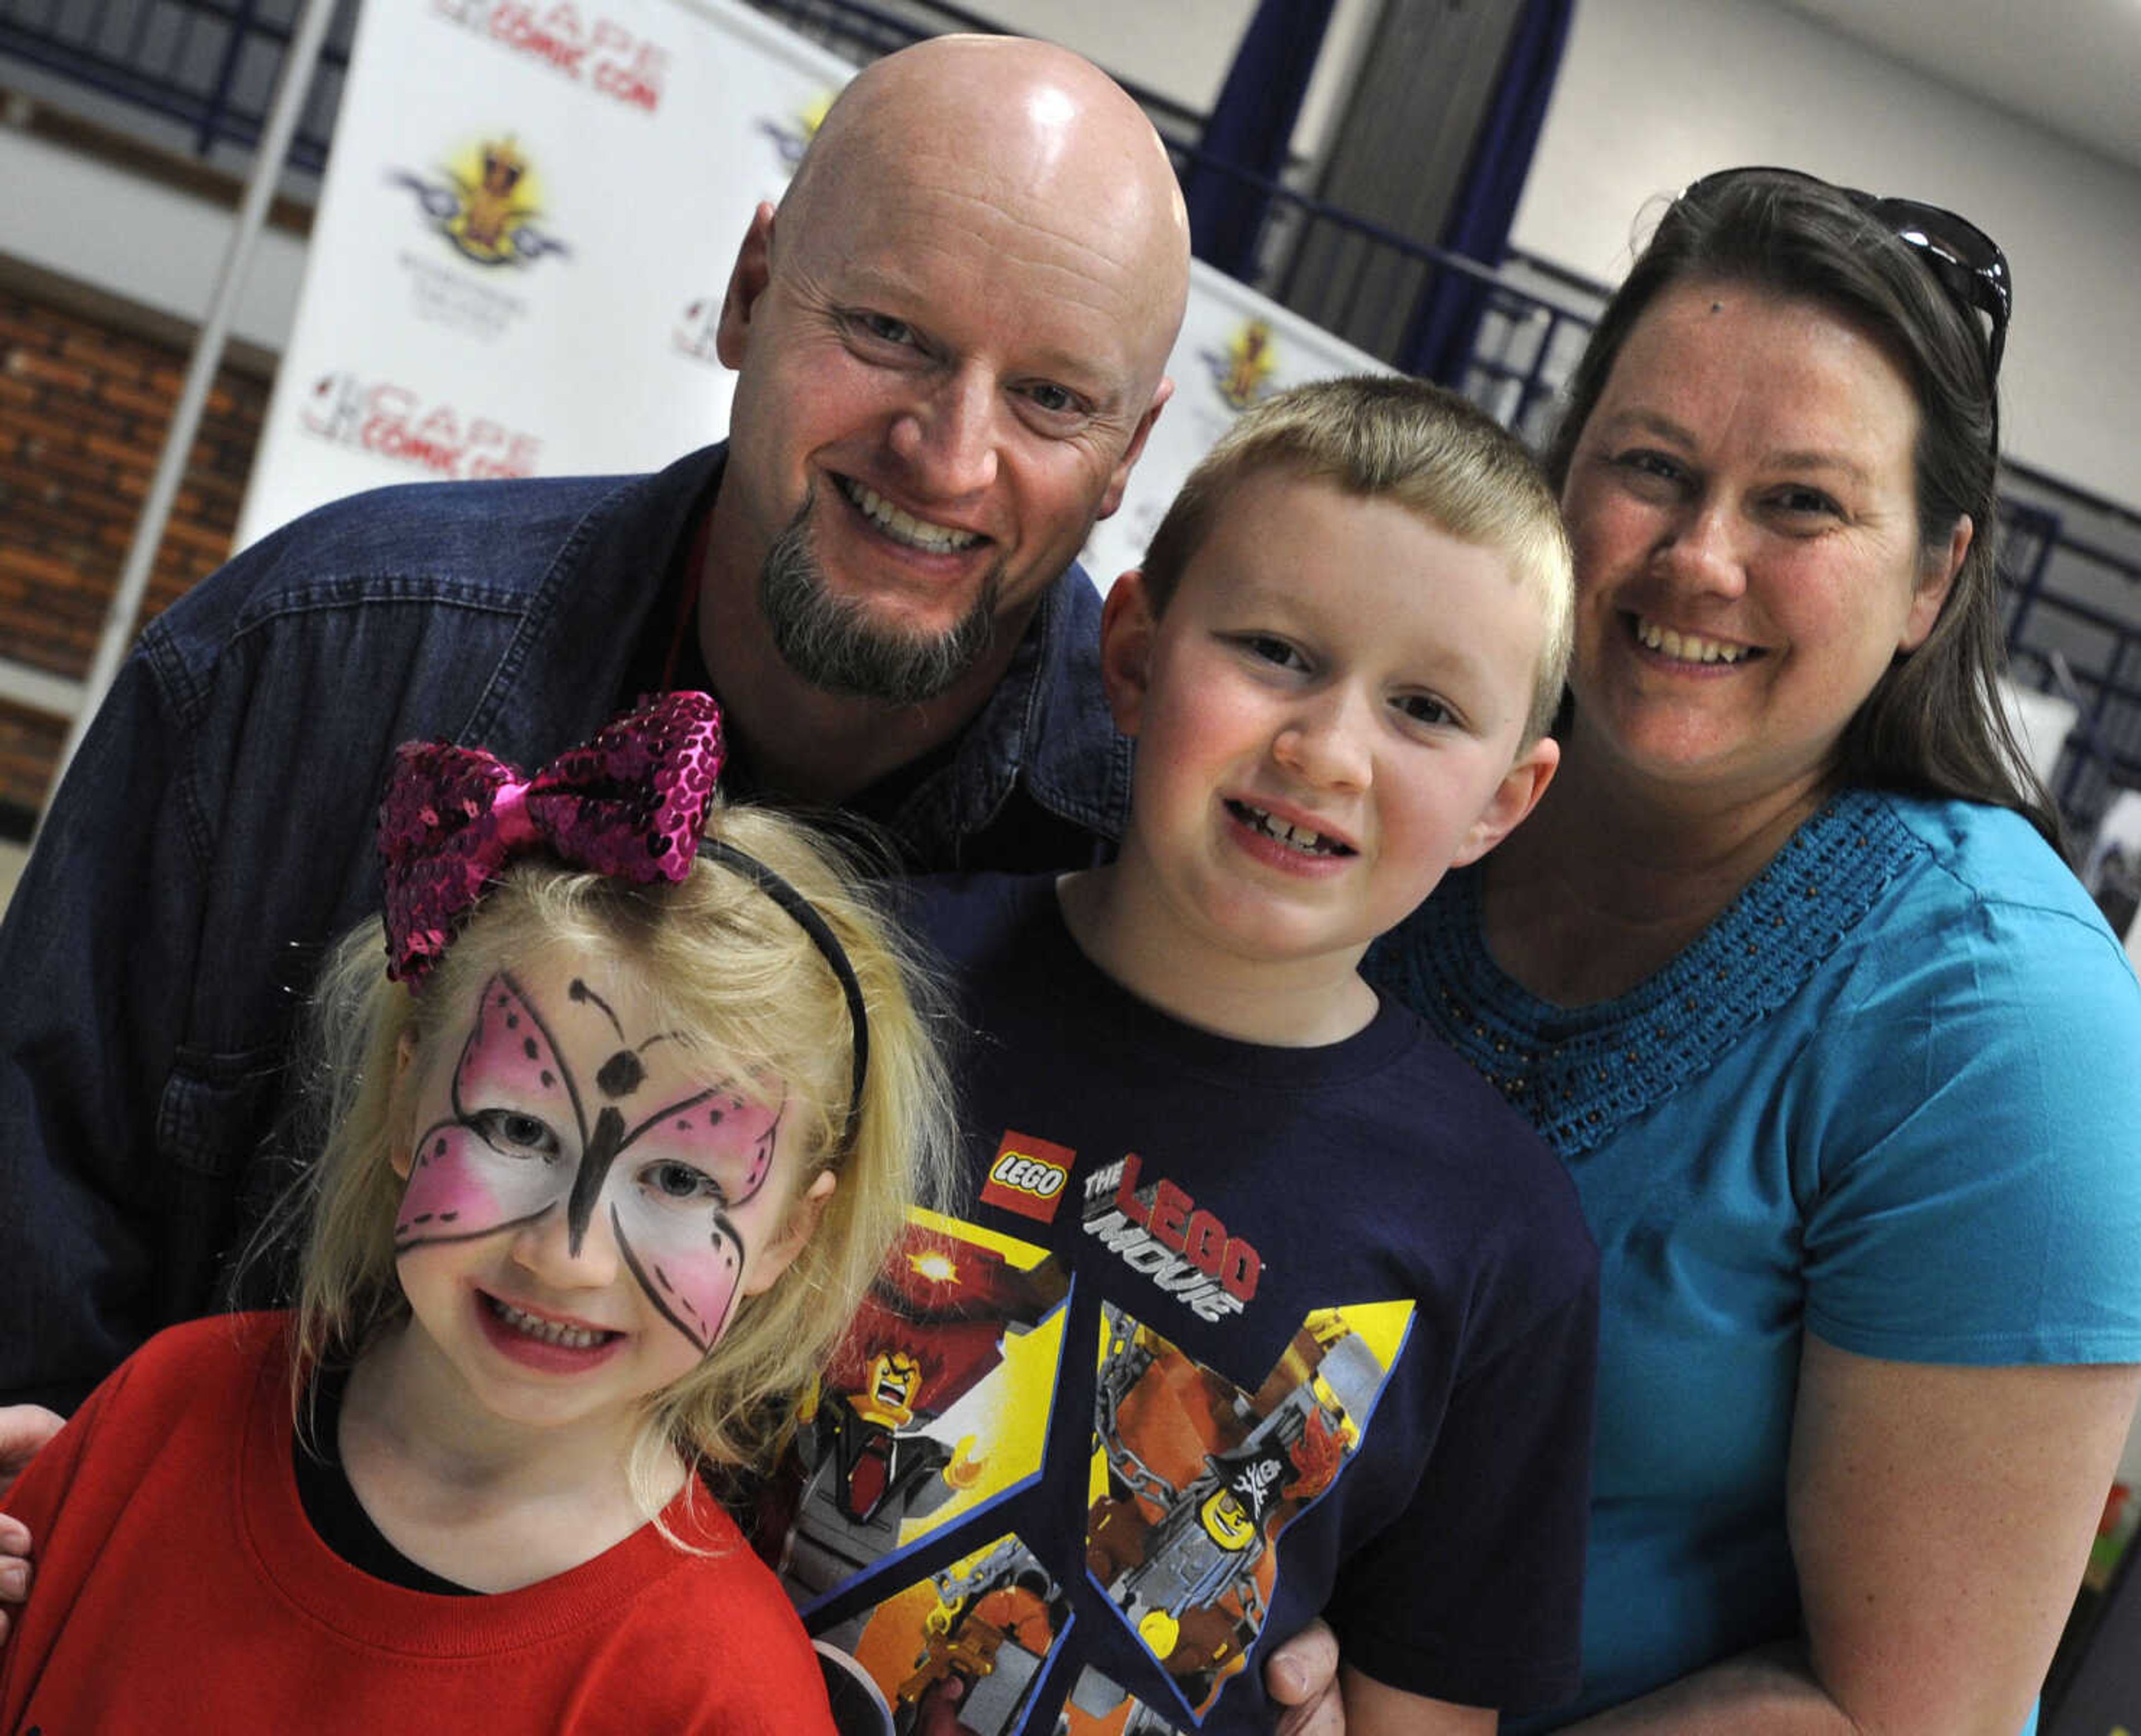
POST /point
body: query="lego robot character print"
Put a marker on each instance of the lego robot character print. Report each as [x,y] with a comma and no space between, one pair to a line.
[935,1405]
[1196,1480]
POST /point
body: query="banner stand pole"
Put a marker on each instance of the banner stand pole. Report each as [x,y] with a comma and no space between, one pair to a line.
[294,82]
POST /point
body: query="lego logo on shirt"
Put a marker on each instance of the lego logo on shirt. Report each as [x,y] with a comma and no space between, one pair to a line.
[1028,1176]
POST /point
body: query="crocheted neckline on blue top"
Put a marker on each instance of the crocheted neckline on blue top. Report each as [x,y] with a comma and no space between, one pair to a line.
[1579,1073]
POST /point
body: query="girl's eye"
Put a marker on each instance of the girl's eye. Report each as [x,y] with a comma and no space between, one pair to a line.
[672,1180]
[516,1134]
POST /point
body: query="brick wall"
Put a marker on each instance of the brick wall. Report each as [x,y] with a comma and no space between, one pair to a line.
[83,411]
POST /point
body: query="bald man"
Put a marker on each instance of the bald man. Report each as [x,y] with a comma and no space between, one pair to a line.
[949,342]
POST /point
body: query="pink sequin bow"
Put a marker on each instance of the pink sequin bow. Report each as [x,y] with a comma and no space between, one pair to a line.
[629,803]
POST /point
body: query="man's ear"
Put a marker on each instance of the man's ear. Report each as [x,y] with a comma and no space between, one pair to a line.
[1514,798]
[802,1223]
[1934,583]
[753,271]
[1111,497]
[1127,632]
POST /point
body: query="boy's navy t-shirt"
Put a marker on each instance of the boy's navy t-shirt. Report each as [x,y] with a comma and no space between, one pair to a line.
[1223,1337]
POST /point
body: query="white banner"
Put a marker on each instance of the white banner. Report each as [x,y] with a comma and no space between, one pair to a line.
[1236,348]
[524,233]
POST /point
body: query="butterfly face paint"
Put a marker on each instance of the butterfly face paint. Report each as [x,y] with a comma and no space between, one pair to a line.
[556,1108]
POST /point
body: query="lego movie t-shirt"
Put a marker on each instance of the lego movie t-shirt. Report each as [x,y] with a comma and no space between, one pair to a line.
[1225,1336]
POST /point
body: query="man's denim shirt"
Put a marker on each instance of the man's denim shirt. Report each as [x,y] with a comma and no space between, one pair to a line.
[215,834]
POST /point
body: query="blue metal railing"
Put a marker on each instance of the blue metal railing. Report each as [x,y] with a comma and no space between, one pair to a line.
[2072,564]
[208,65]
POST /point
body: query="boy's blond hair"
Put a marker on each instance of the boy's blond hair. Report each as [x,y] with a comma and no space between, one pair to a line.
[1386,437]
[731,970]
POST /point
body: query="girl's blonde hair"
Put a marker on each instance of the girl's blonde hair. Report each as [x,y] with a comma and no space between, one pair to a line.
[727,966]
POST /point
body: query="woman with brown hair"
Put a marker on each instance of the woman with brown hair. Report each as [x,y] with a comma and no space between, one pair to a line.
[1786,965]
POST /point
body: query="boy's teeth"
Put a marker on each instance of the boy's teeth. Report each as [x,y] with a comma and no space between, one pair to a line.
[1299,837]
[1687,648]
[904,527]
[551,1332]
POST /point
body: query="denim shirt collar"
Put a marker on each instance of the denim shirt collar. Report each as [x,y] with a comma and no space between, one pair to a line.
[1047,725]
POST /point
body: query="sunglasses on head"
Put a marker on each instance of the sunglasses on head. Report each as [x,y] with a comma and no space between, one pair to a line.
[1965,261]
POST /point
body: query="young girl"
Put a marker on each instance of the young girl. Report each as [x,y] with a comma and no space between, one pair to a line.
[606,1172]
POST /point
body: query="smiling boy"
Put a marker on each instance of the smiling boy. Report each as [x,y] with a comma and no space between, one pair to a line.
[1329,1308]
[1335,699]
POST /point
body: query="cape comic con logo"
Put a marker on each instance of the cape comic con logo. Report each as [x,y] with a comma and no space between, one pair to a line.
[380,417]
[792,135]
[1242,374]
[486,204]
[589,47]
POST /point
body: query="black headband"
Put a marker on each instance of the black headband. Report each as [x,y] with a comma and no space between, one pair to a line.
[827,943]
